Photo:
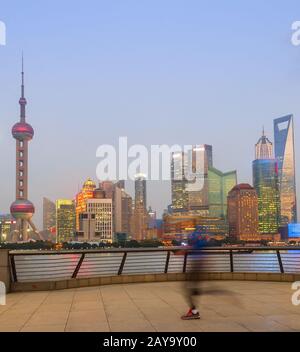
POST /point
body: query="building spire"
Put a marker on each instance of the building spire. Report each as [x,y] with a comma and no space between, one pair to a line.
[22,76]
[263,148]
[22,100]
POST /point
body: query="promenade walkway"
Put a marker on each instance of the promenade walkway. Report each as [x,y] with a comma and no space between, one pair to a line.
[251,306]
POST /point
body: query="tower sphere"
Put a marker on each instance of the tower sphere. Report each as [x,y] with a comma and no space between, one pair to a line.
[22,131]
[22,209]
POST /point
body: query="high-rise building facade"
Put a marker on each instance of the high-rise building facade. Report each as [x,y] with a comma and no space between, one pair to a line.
[127,206]
[263,148]
[219,185]
[96,223]
[140,191]
[65,220]
[189,179]
[199,159]
[285,155]
[87,192]
[117,208]
[265,182]
[49,215]
[178,183]
[140,208]
[243,213]
[121,212]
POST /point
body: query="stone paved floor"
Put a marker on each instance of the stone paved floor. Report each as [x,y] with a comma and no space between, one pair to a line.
[224,306]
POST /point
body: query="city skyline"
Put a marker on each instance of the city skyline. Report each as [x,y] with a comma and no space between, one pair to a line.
[71,114]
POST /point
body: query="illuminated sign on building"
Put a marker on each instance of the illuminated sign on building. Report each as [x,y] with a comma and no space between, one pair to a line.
[294,230]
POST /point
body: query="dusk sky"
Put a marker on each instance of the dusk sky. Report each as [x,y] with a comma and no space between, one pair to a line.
[158,72]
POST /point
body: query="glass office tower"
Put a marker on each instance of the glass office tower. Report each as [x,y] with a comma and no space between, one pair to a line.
[198,192]
[265,182]
[65,220]
[178,183]
[219,185]
[285,155]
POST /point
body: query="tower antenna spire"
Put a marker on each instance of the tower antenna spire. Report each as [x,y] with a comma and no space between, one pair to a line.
[22,100]
[22,75]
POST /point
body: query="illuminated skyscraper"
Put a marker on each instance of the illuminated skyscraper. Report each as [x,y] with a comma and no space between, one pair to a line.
[265,182]
[95,224]
[22,209]
[219,185]
[263,148]
[140,210]
[197,189]
[191,194]
[243,213]
[285,155]
[87,192]
[65,220]
[178,183]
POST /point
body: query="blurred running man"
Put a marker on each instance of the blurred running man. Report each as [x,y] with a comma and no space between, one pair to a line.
[192,287]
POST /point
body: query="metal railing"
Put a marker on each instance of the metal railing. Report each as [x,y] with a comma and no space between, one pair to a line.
[31,266]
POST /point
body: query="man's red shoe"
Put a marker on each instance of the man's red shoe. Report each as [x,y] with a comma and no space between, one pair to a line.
[190,315]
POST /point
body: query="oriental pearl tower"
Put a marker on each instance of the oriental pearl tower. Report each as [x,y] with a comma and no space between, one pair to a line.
[22,209]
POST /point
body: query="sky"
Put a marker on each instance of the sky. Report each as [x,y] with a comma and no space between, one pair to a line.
[159,72]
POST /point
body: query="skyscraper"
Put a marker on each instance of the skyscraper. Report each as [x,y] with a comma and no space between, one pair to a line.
[140,210]
[285,155]
[140,191]
[65,220]
[219,185]
[87,192]
[49,215]
[95,224]
[243,213]
[22,209]
[198,198]
[126,213]
[263,148]
[178,183]
[265,182]
[186,194]
[115,191]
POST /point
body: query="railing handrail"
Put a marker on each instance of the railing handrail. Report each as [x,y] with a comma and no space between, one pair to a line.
[17,252]
[80,258]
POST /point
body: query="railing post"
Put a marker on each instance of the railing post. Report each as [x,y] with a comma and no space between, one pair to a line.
[13,268]
[184,262]
[78,266]
[280,261]
[5,273]
[122,263]
[231,261]
[167,262]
